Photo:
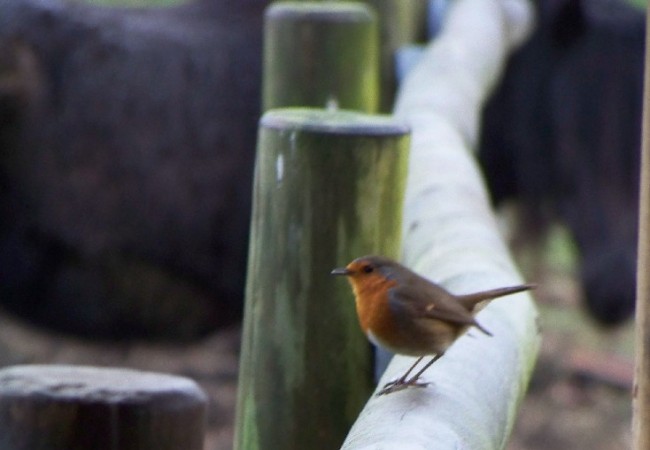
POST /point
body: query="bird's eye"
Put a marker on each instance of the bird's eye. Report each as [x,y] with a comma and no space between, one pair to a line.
[367,268]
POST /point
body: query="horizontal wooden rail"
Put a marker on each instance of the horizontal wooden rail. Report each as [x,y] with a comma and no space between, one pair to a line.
[451,236]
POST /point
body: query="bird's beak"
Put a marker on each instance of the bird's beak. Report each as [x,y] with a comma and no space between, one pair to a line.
[340,271]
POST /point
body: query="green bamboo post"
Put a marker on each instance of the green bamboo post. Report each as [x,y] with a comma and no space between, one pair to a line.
[321,55]
[80,408]
[328,188]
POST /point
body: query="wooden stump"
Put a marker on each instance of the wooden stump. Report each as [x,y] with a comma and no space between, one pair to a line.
[52,407]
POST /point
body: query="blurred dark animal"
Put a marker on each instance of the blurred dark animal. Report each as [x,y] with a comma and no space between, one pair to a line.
[127,139]
[562,133]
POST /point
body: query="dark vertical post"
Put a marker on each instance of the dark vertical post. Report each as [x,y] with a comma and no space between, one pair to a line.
[328,188]
[401,23]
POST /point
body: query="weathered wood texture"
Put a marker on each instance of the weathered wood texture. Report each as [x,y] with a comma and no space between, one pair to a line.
[641,421]
[81,408]
[328,187]
[321,55]
[451,236]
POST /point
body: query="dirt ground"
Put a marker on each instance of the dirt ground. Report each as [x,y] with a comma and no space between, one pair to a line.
[579,397]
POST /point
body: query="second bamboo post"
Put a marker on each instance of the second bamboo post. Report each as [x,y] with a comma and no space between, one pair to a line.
[321,54]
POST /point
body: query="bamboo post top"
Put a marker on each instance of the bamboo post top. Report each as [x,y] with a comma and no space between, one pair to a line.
[320,54]
[321,11]
[81,383]
[343,122]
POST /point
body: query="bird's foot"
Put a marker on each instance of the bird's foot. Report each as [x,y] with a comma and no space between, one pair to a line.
[401,384]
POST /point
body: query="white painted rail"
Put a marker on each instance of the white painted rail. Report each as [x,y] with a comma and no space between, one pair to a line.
[451,236]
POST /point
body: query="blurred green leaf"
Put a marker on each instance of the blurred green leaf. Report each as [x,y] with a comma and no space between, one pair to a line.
[638,3]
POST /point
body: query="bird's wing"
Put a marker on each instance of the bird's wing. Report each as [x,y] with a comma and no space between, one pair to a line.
[414,300]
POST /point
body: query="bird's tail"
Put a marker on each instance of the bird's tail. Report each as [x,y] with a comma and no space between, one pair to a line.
[471,300]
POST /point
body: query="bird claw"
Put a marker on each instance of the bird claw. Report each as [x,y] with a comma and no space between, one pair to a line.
[400,384]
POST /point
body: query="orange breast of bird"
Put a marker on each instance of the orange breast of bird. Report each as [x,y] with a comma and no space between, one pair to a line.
[392,329]
[375,316]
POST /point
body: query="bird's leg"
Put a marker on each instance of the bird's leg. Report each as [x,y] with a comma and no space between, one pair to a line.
[403,383]
[417,375]
[399,383]
[403,378]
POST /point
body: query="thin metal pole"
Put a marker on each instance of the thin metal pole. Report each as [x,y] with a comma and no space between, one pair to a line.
[641,402]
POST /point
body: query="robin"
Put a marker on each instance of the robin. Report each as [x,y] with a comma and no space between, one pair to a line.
[407,314]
